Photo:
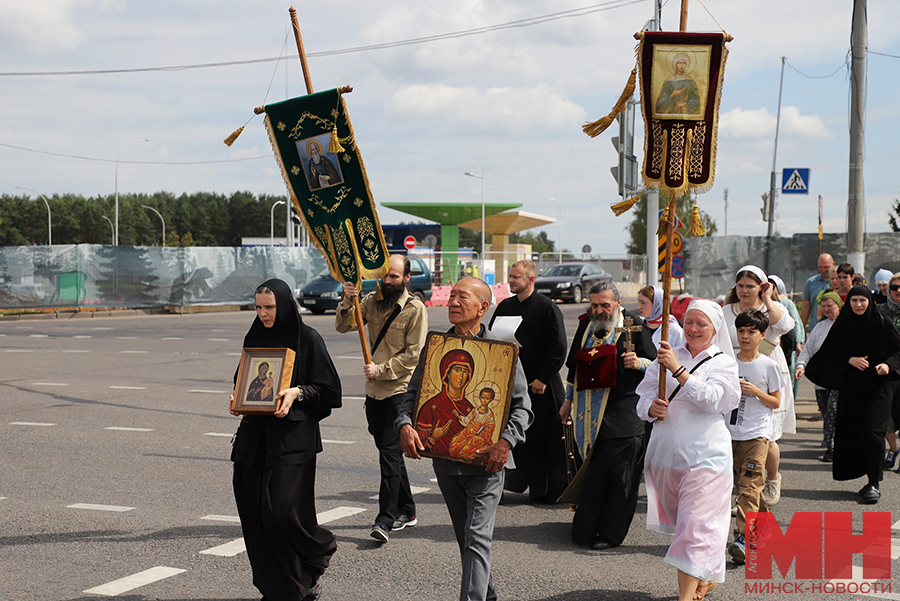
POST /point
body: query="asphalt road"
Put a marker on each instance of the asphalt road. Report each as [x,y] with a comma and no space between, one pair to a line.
[114,446]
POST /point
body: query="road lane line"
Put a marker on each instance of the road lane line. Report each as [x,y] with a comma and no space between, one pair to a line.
[222,518]
[219,339]
[227,550]
[81,336]
[125,429]
[100,328]
[134,352]
[354,398]
[96,507]
[222,434]
[339,441]
[413,489]
[127,337]
[16,350]
[203,391]
[48,384]
[172,338]
[38,336]
[128,387]
[337,513]
[348,357]
[233,355]
[129,583]
[30,424]
[75,351]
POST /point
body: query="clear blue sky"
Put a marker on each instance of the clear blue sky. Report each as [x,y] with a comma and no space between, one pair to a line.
[509,101]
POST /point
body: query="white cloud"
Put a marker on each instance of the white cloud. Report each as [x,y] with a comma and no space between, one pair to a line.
[42,26]
[760,123]
[535,107]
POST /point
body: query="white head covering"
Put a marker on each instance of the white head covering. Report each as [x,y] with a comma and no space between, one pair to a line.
[755,271]
[712,310]
[882,276]
[779,284]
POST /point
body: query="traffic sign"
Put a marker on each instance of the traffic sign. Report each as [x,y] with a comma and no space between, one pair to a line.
[409,242]
[677,246]
[677,267]
[795,181]
[678,222]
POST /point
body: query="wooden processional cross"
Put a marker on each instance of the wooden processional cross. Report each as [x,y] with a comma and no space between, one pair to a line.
[628,329]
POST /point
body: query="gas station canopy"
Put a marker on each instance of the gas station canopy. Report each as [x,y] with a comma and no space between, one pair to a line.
[508,223]
[450,214]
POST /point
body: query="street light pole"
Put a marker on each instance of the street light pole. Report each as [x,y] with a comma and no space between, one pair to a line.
[112,230]
[49,218]
[272,222]
[116,237]
[560,228]
[481,177]
[161,219]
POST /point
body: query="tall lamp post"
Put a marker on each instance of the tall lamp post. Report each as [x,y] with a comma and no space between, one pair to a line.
[161,219]
[116,237]
[559,221]
[481,177]
[272,223]
[49,218]
[112,230]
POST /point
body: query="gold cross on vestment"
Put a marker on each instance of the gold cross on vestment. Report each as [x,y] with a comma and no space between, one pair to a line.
[628,329]
[593,352]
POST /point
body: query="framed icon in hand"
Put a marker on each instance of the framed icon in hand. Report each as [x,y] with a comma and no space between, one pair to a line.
[262,374]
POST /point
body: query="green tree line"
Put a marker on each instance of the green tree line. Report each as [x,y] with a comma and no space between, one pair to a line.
[201,218]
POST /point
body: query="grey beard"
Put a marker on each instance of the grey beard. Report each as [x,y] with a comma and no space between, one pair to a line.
[602,327]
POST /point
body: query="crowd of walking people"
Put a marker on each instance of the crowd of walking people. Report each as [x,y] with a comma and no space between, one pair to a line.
[695,410]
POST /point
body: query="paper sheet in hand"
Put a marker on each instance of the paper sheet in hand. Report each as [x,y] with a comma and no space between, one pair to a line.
[505,327]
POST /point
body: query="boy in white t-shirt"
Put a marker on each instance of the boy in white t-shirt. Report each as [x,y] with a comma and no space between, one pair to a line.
[751,423]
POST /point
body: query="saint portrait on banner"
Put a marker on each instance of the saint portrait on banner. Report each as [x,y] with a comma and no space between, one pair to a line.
[680,73]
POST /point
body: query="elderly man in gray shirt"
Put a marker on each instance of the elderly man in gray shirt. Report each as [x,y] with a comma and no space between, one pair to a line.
[472,492]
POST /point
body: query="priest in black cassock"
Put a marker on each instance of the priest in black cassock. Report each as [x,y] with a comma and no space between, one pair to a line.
[540,331]
[601,399]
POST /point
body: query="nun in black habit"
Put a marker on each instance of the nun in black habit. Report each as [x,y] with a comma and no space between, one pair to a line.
[275,457]
[860,357]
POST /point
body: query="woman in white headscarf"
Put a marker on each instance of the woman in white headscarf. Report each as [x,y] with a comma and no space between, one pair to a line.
[650,306]
[752,290]
[688,466]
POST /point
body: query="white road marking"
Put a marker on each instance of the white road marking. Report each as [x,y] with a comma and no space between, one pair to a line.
[76,351]
[222,518]
[202,391]
[1,498]
[124,429]
[129,583]
[16,350]
[135,352]
[413,489]
[348,357]
[227,550]
[48,384]
[218,330]
[339,441]
[337,513]
[218,339]
[38,336]
[896,526]
[81,336]
[232,548]
[128,387]
[222,434]
[127,337]
[30,424]
[95,507]
[233,355]
[895,549]
[172,338]
[354,398]
[100,328]
[432,479]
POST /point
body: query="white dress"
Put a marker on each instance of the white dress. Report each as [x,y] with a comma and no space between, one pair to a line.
[688,466]
[784,420]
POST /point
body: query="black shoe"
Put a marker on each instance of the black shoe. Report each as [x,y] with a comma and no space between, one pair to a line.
[828,457]
[598,544]
[315,589]
[403,521]
[380,532]
[870,495]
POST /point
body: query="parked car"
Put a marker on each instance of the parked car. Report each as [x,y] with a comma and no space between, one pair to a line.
[569,282]
[323,292]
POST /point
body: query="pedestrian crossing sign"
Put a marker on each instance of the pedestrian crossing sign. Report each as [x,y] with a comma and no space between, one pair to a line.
[795,181]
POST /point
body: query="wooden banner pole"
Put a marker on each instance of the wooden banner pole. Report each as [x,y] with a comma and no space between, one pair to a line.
[360,326]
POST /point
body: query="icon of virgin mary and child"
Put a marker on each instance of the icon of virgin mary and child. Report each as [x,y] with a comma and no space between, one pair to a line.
[448,423]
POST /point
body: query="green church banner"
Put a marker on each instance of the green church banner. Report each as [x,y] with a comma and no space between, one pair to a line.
[322,167]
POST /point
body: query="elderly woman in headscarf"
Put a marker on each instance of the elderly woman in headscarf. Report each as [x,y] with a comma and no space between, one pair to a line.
[650,306]
[275,456]
[752,290]
[890,308]
[883,279]
[859,357]
[791,345]
[826,398]
[688,467]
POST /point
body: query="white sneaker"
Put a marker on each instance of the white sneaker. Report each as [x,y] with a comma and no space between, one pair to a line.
[772,491]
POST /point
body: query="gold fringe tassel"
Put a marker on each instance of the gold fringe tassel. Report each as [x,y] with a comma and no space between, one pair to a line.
[234,136]
[335,144]
[598,127]
[624,205]
[379,295]
[697,228]
[661,228]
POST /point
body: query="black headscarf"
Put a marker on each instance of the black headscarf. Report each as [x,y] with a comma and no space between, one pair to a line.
[867,335]
[285,332]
